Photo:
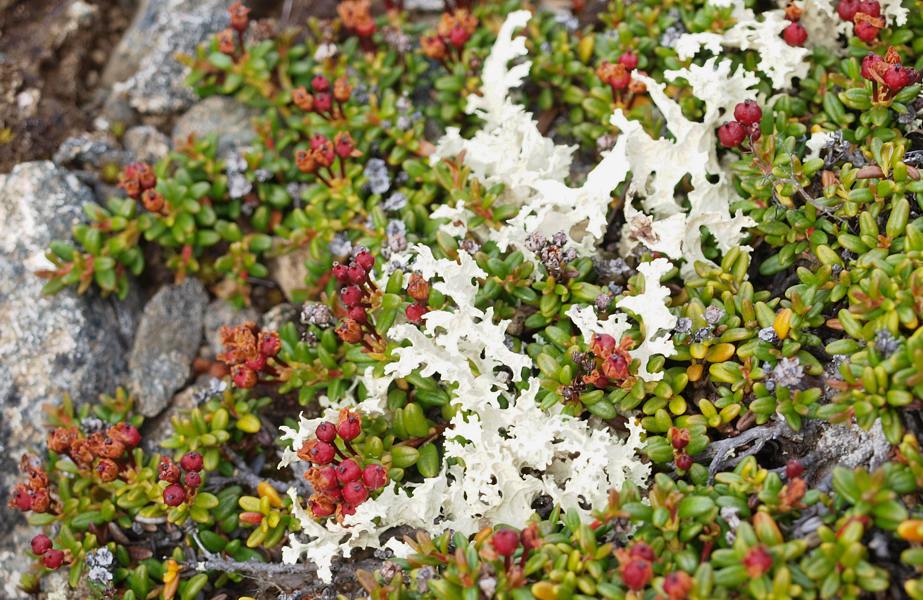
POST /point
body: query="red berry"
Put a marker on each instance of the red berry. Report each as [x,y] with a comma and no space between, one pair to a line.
[41,544]
[365,28]
[53,559]
[615,367]
[375,476]
[757,561]
[125,433]
[21,499]
[870,65]
[167,470]
[326,432]
[350,425]
[415,313]
[357,275]
[365,260]
[677,585]
[795,35]
[643,551]
[683,462]
[343,145]
[358,314]
[679,437]
[193,479]
[320,83]
[793,469]
[603,344]
[340,272]
[321,453]
[192,461]
[243,376]
[324,479]
[636,573]
[174,495]
[869,7]
[323,102]
[459,36]
[731,134]
[629,60]
[348,471]
[270,343]
[847,9]
[321,506]
[256,363]
[748,112]
[351,296]
[505,542]
[866,32]
[355,493]
[896,78]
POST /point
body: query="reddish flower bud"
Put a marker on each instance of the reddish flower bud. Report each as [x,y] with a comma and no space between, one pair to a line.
[757,561]
[256,363]
[355,493]
[418,288]
[53,559]
[748,112]
[869,7]
[530,537]
[107,470]
[679,437]
[41,544]
[349,331]
[349,426]
[602,345]
[61,438]
[152,200]
[683,462]
[505,542]
[41,501]
[365,28]
[866,31]
[111,448]
[793,469]
[636,573]
[303,99]
[192,479]
[321,506]
[168,470]
[324,479]
[459,36]
[269,343]
[225,41]
[340,272]
[342,90]
[323,102]
[305,161]
[320,83]
[643,551]
[243,376]
[374,476]
[125,433]
[343,145]
[677,585]
[326,432]
[629,60]
[731,134]
[81,452]
[433,47]
[239,16]
[21,498]
[357,274]
[897,78]
[174,495]
[615,367]
[871,64]
[351,296]
[415,313]
[847,9]
[365,260]
[348,470]
[192,461]
[795,35]
[358,314]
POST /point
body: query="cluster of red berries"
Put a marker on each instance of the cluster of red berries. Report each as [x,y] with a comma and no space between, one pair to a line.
[323,152]
[33,494]
[679,439]
[52,558]
[636,566]
[618,74]
[865,16]
[418,290]
[323,99]
[247,351]
[339,480]
[505,542]
[611,361]
[356,295]
[240,20]
[452,33]
[138,181]
[746,123]
[887,72]
[105,448]
[184,478]
[795,34]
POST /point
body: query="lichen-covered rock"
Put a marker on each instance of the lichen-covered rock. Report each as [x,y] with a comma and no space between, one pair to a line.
[290,271]
[279,315]
[219,313]
[144,64]
[91,151]
[166,342]
[49,346]
[225,117]
[146,143]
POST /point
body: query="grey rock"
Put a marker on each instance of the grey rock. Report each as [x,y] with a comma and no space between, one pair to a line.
[144,64]
[91,151]
[290,271]
[220,312]
[279,315]
[116,113]
[146,143]
[224,117]
[49,346]
[166,342]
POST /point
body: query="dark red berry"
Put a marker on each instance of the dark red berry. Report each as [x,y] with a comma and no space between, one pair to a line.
[365,260]
[683,462]
[21,499]
[357,275]
[324,479]
[256,363]
[679,437]
[847,9]
[636,573]
[793,469]
[459,36]
[321,506]
[321,453]
[415,313]
[629,60]
[375,476]
[869,7]
[243,376]
[174,495]
[270,343]
[731,134]
[126,434]
[603,345]
[348,471]
[896,78]
[340,272]
[326,432]
[323,102]
[53,559]
[358,314]
[870,65]
[677,585]
[643,551]
[757,561]
[505,542]
[355,493]
[349,426]
[192,461]
[866,32]
[351,295]
[167,470]
[193,479]
[320,83]
[41,544]
[748,112]
[795,35]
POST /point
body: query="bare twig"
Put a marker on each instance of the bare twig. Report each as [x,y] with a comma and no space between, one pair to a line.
[249,568]
[720,451]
